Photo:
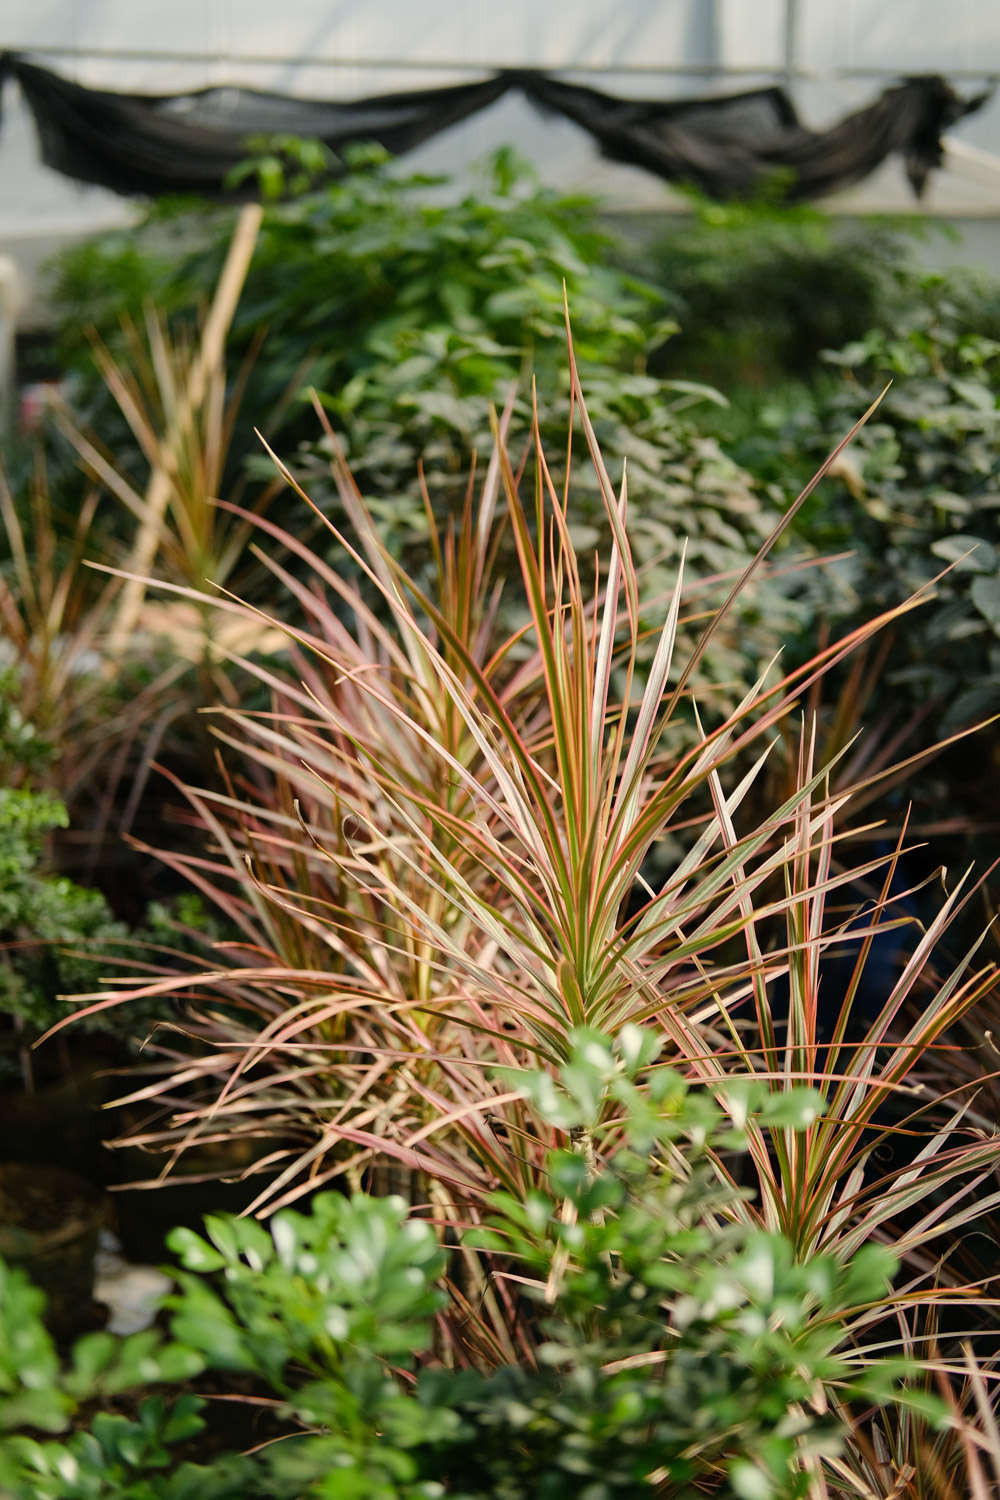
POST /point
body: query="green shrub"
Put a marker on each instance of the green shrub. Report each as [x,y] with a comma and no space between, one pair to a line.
[52,929]
[676,1350]
[919,491]
[761,289]
[353,279]
[57,936]
[410,316]
[112,1456]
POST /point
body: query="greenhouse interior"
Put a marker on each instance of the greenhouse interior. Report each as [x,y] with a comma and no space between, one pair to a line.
[500,739]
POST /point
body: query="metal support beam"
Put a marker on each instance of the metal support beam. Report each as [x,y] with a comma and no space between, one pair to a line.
[790,49]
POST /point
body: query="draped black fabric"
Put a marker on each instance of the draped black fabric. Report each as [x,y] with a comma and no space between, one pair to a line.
[152,144]
[726,146]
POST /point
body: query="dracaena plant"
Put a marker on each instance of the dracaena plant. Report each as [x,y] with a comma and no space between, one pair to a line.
[437,848]
[71,728]
[900,1455]
[54,617]
[108,677]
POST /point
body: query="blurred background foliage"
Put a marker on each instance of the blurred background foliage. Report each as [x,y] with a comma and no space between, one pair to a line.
[723,356]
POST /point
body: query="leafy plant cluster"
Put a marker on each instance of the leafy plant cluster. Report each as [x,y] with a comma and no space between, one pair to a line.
[410,313]
[802,326]
[53,931]
[43,917]
[760,289]
[57,937]
[920,496]
[675,1347]
[366,272]
[410,316]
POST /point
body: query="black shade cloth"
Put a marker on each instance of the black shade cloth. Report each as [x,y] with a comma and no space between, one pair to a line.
[153,144]
[727,147]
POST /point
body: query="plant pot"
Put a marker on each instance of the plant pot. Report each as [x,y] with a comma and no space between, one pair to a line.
[60,1120]
[206,1180]
[50,1220]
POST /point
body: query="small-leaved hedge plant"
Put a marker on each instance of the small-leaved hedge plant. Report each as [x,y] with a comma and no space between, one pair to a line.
[58,935]
[47,922]
[677,1351]
[57,939]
